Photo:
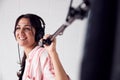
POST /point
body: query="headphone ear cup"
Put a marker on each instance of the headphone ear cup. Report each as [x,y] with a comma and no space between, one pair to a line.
[39,34]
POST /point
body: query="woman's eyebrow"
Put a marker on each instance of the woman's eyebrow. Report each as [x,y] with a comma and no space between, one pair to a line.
[28,25]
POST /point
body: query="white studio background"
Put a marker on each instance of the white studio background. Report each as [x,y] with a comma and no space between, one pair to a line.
[69,46]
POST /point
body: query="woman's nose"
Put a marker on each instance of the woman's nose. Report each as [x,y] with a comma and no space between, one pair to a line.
[21,31]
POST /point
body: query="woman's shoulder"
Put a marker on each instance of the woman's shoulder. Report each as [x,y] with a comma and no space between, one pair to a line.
[43,55]
[41,50]
[39,53]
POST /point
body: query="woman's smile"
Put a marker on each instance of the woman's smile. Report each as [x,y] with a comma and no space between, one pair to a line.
[22,38]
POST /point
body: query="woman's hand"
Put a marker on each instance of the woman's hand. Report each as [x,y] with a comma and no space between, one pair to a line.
[52,47]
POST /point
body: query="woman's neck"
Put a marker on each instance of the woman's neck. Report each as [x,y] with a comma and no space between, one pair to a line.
[29,49]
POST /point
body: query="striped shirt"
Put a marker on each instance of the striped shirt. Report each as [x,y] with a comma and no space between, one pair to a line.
[38,66]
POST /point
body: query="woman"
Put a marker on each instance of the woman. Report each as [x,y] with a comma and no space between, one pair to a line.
[38,63]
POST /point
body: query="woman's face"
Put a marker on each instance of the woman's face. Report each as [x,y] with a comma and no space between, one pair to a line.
[25,33]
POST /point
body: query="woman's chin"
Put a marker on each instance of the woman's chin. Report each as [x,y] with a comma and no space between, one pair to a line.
[22,44]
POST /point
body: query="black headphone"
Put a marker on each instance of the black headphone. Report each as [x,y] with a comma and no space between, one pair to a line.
[41,30]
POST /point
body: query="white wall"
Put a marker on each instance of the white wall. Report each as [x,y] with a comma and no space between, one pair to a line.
[69,45]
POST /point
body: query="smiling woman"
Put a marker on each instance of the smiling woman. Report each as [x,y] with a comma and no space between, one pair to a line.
[25,33]
[38,63]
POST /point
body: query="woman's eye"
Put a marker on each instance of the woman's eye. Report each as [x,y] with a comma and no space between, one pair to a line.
[17,28]
[27,29]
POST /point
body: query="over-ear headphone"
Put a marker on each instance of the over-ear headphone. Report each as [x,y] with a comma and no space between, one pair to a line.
[41,30]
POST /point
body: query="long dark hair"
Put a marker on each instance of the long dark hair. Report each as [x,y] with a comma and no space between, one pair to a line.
[39,25]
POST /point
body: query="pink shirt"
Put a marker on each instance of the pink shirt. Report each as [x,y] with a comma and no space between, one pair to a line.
[38,66]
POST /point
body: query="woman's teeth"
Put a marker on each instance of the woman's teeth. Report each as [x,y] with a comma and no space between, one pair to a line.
[22,38]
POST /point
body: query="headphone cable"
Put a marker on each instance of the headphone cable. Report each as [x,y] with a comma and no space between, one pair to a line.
[19,55]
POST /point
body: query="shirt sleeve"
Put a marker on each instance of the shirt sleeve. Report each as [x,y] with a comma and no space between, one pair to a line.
[47,67]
